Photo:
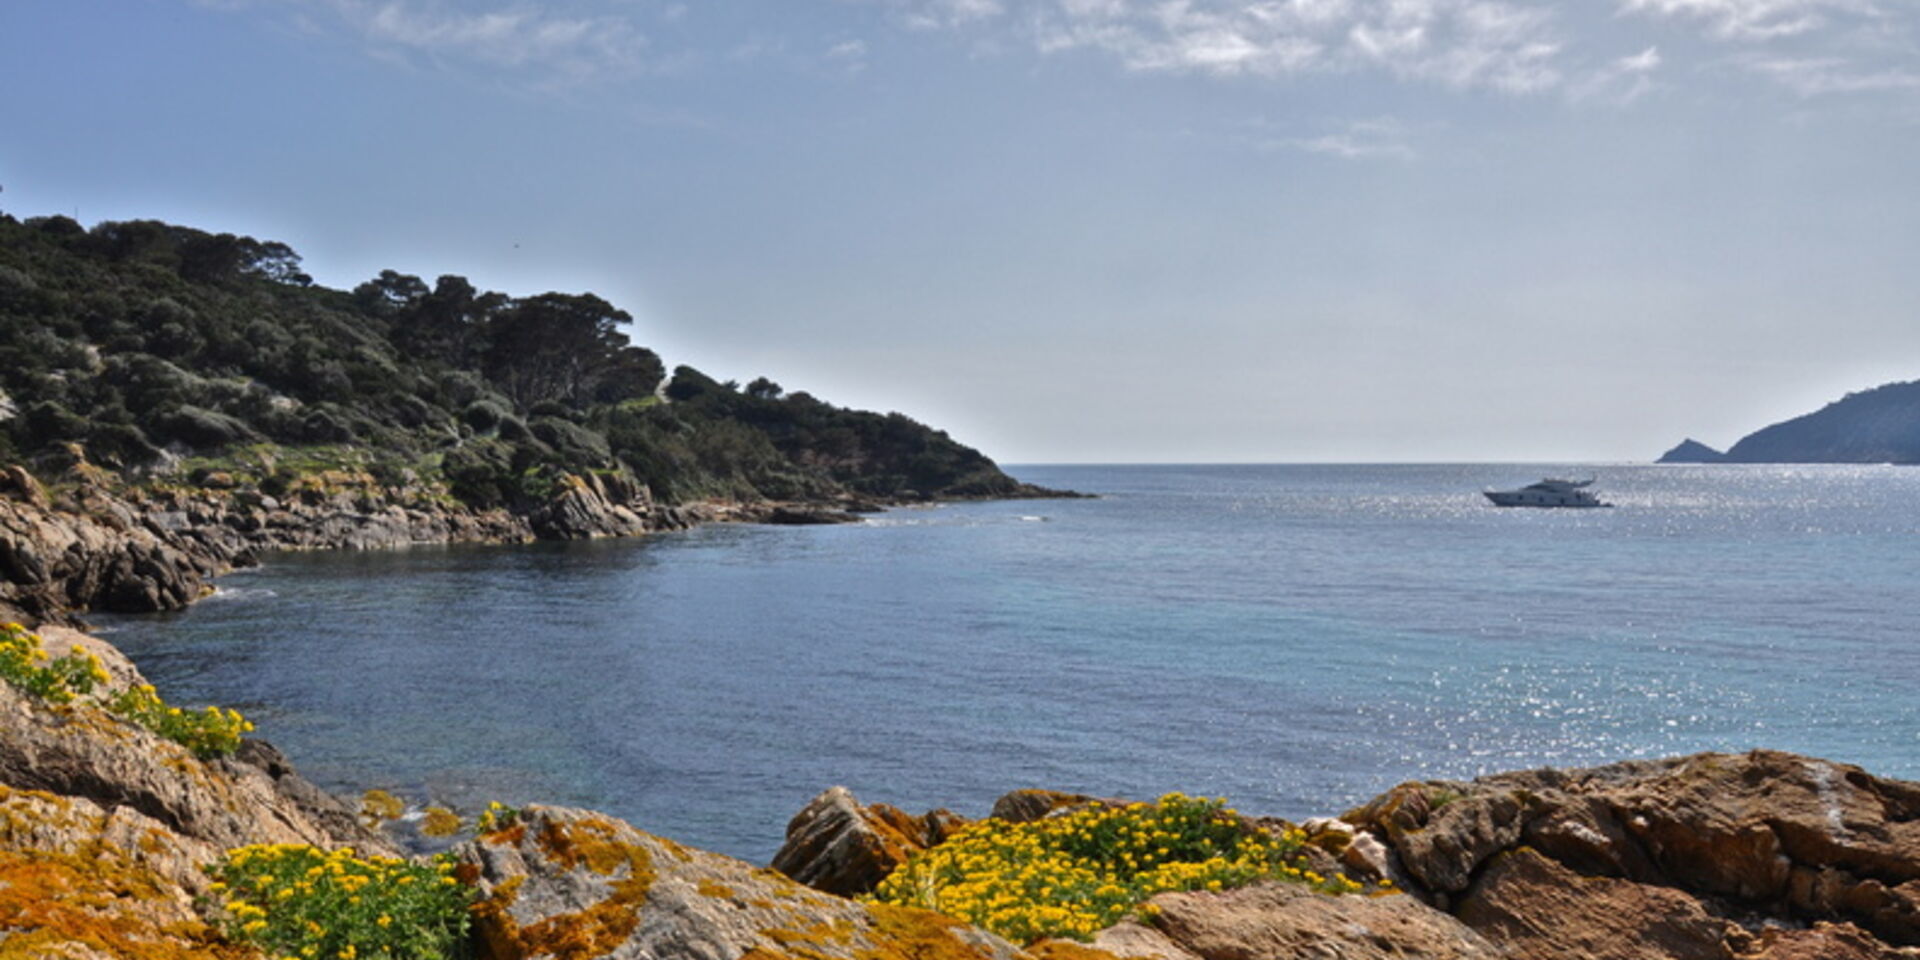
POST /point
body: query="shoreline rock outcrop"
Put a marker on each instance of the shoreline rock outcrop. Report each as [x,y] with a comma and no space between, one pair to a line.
[97,545]
[836,845]
[1709,856]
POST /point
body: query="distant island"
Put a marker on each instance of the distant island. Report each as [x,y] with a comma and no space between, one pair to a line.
[1881,425]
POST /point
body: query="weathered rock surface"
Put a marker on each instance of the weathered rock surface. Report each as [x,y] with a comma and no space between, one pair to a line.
[838,846]
[1653,859]
[571,883]
[80,751]
[104,826]
[1535,907]
[1282,920]
[1025,806]
[80,881]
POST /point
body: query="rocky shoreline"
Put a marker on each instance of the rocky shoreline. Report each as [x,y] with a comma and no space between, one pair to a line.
[91,541]
[1756,856]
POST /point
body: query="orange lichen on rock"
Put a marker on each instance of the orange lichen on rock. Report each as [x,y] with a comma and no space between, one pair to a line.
[53,903]
[1067,950]
[592,932]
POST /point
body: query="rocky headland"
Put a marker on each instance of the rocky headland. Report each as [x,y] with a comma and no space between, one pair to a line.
[1880,425]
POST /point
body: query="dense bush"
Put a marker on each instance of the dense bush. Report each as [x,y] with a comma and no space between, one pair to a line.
[140,337]
[1073,875]
[299,901]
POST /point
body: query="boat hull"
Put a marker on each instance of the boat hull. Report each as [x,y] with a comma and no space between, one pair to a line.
[1528,498]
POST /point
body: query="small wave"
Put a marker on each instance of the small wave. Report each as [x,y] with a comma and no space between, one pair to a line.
[239,594]
[1033,519]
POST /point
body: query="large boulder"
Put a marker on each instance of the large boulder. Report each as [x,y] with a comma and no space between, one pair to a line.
[838,846]
[107,558]
[1687,845]
[567,883]
[1278,920]
[1025,806]
[1535,907]
[583,509]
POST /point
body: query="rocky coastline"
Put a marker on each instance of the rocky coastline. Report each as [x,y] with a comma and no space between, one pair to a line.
[90,540]
[107,828]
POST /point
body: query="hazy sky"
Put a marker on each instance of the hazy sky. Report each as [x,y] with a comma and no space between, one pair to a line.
[1072,230]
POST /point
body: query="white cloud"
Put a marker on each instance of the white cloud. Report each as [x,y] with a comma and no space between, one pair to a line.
[1383,138]
[519,37]
[1753,19]
[847,50]
[1459,43]
[1621,81]
[1819,76]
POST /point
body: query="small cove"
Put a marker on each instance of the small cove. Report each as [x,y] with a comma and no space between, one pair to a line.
[1296,638]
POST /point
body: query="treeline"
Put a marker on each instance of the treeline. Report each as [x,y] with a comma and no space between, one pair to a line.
[146,343]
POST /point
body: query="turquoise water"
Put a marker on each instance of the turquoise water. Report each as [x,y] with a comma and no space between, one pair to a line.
[1297,638]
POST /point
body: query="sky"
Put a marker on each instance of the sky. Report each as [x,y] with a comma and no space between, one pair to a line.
[1072,230]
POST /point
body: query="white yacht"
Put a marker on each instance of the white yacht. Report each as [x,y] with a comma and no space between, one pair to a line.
[1548,493]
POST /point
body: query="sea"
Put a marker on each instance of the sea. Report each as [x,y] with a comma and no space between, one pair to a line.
[1296,639]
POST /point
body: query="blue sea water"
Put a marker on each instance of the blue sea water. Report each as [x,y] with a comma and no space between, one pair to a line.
[1296,638]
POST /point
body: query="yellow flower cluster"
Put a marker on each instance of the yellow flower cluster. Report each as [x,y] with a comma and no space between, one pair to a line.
[211,732]
[25,664]
[296,901]
[497,816]
[1073,875]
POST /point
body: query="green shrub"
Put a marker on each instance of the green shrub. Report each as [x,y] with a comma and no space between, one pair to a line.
[209,732]
[26,665]
[298,901]
[1073,875]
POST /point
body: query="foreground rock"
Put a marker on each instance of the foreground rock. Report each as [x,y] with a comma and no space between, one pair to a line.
[571,883]
[1680,858]
[78,880]
[837,846]
[104,826]
[81,753]
[1289,920]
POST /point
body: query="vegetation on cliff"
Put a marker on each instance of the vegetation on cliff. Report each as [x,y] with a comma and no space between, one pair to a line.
[210,732]
[147,343]
[1077,874]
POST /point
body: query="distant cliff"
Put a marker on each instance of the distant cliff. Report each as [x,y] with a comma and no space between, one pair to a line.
[1881,425]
